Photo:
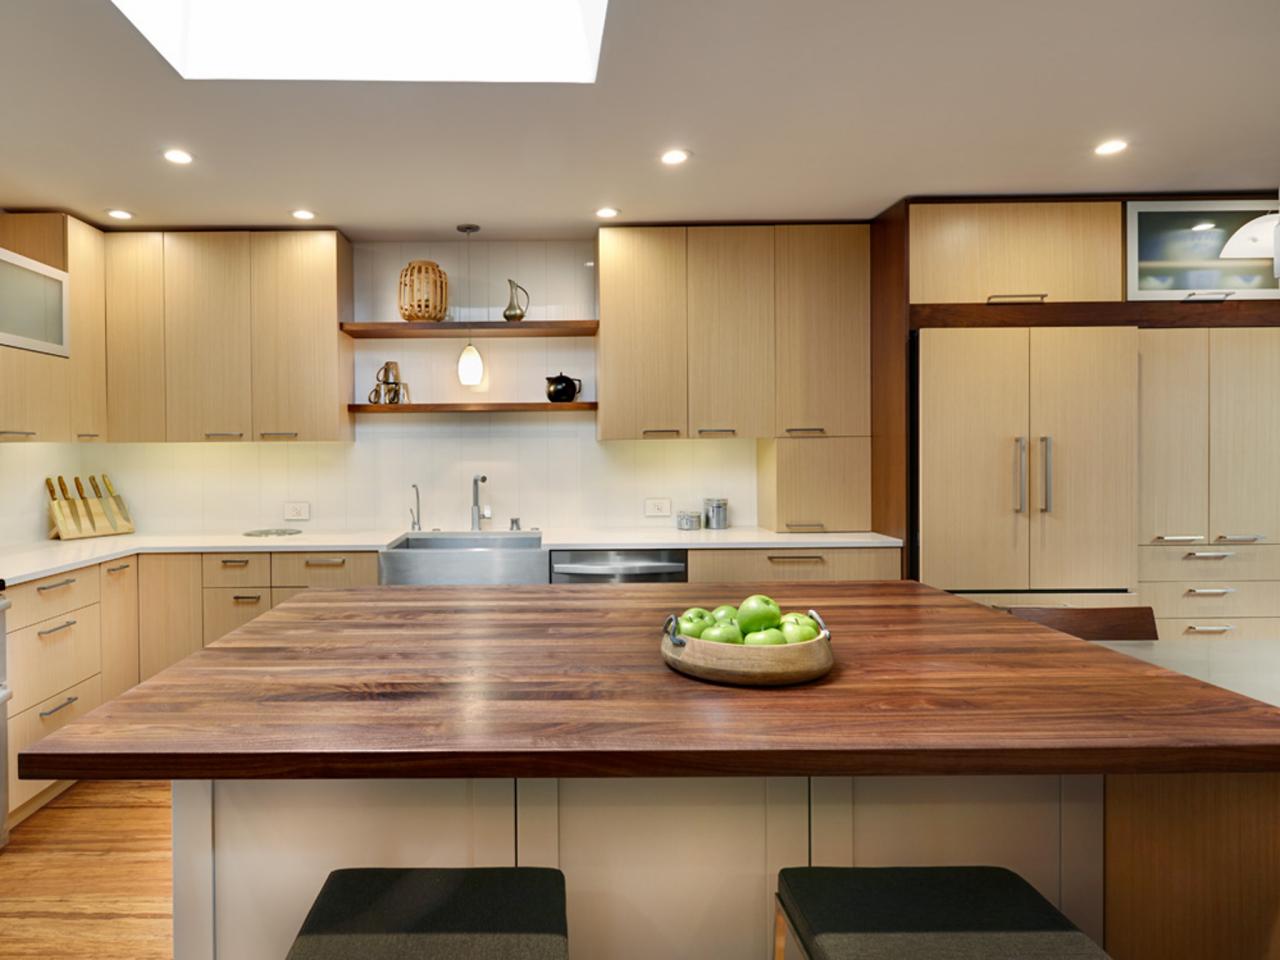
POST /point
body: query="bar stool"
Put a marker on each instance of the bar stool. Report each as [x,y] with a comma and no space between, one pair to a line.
[482,913]
[922,913]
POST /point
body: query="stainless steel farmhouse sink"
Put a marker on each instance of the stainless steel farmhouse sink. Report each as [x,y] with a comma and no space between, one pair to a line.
[445,557]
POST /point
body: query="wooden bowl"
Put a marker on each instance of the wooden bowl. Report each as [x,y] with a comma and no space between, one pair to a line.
[743,666]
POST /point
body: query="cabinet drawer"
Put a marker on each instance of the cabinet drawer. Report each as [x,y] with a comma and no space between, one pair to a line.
[38,722]
[51,596]
[1225,628]
[52,655]
[236,569]
[733,566]
[1239,562]
[1212,598]
[324,569]
[226,608]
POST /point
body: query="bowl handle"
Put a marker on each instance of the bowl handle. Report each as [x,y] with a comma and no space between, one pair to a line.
[670,629]
[825,634]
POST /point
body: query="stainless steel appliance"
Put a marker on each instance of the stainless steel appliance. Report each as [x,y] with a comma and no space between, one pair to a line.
[619,566]
[460,559]
[5,694]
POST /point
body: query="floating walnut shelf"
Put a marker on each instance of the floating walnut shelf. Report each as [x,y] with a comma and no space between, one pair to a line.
[458,330]
[471,407]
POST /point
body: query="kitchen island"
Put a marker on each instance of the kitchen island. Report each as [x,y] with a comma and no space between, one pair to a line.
[538,725]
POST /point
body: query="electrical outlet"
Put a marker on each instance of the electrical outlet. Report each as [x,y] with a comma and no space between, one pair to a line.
[657,507]
[297,510]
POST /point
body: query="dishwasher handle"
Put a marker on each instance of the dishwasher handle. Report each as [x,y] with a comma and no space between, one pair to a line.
[625,568]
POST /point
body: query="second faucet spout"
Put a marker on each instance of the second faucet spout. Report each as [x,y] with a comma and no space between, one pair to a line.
[478,479]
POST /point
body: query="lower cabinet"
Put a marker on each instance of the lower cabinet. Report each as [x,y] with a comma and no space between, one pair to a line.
[226,608]
[789,564]
[119,592]
[38,722]
[324,569]
[815,484]
[170,610]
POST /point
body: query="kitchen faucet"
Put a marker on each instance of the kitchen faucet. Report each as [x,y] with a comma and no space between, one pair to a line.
[415,516]
[478,479]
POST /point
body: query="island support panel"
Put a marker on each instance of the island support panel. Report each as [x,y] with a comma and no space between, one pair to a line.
[674,867]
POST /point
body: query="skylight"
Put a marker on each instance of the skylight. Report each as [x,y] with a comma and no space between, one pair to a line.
[478,41]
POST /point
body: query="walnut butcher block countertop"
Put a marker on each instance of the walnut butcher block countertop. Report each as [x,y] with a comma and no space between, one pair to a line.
[567,681]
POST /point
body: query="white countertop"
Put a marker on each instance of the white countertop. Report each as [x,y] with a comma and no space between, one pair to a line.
[32,561]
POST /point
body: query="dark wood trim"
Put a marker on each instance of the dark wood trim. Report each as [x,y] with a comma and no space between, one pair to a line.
[1139,313]
[890,382]
[414,330]
[403,408]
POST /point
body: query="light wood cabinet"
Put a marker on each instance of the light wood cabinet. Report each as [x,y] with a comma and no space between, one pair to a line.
[1213,561]
[1188,599]
[302,365]
[1174,430]
[731,325]
[87,386]
[822,296]
[34,402]
[324,569]
[641,362]
[227,608]
[813,485]
[1028,458]
[170,610]
[971,252]
[50,596]
[1244,432]
[33,725]
[52,655]
[119,610]
[280,594]
[794,564]
[208,341]
[236,569]
[136,382]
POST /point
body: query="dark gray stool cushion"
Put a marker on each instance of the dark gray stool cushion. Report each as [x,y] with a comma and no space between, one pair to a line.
[926,913]
[483,913]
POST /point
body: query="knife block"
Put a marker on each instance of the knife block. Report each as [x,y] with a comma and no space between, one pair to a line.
[62,521]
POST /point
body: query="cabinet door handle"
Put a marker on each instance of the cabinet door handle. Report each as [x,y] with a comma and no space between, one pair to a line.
[62,706]
[86,436]
[283,434]
[246,597]
[1209,591]
[223,436]
[672,431]
[805,526]
[796,558]
[1209,555]
[58,629]
[1211,628]
[1240,538]
[723,431]
[1020,505]
[1178,537]
[328,562]
[117,569]
[1196,296]
[235,563]
[54,586]
[997,298]
[1046,444]
[17,433]
[805,430]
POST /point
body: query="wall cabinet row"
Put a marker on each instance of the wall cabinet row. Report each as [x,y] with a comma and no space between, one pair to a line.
[714,332]
[228,336]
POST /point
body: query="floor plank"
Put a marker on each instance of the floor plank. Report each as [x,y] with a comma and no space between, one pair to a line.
[90,876]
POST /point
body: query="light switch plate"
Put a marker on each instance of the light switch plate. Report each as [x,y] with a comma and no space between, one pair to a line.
[297,510]
[657,507]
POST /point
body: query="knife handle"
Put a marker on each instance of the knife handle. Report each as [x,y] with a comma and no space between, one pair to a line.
[48,485]
[80,488]
[106,482]
[62,485]
[97,490]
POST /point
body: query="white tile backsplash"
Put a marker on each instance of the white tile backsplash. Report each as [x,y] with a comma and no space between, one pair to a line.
[547,469]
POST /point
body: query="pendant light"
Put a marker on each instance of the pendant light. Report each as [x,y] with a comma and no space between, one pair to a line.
[470,363]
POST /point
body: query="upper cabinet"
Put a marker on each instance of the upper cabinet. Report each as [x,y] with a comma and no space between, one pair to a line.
[1244,427]
[993,252]
[642,360]
[822,293]
[731,331]
[87,385]
[135,338]
[302,368]
[207,336]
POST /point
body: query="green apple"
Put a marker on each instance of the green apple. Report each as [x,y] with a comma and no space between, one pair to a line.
[768,637]
[758,612]
[794,632]
[804,618]
[693,621]
[725,631]
[725,611]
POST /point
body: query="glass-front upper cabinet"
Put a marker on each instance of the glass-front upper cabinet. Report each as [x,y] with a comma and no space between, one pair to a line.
[33,305]
[1202,250]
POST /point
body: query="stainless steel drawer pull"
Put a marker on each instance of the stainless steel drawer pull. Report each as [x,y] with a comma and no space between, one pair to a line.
[54,586]
[723,431]
[805,430]
[117,569]
[1209,591]
[330,562]
[17,433]
[223,436]
[1179,537]
[235,563]
[62,706]
[1211,628]
[1017,298]
[1209,555]
[797,558]
[659,433]
[287,434]
[1212,297]
[58,629]
[246,597]
[805,526]
[1240,538]
[86,436]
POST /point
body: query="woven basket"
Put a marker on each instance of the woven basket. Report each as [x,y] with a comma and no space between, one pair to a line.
[424,291]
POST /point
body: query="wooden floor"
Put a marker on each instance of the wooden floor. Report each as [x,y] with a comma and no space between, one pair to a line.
[89,877]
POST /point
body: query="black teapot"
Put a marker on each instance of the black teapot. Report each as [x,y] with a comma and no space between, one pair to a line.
[562,389]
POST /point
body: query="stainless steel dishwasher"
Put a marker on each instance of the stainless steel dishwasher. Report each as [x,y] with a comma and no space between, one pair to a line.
[5,694]
[619,566]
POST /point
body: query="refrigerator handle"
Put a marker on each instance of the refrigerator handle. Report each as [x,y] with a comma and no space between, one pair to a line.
[1021,505]
[1047,443]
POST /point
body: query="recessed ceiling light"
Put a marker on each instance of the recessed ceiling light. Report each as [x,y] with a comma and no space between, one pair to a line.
[675,157]
[1203,226]
[120,214]
[303,215]
[607,213]
[180,157]
[1108,147]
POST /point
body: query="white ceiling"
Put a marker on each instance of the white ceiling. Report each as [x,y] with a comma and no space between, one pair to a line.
[795,109]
